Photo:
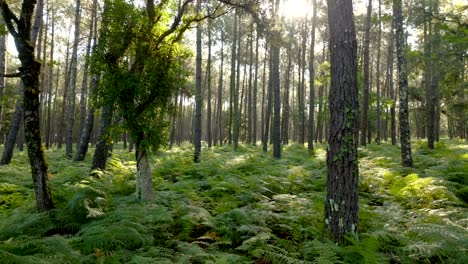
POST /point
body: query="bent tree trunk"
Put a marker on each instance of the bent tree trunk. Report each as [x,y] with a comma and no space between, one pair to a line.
[29,72]
[341,207]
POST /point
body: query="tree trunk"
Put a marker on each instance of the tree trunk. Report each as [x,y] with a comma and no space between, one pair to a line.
[219,120]
[391,86]
[250,92]
[208,107]
[341,206]
[73,80]
[285,118]
[144,181]
[30,70]
[366,63]
[12,134]
[406,157]
[379,36]
[198,94]
[255,91]
[275,50]
[48,125]
[236,129]
[101,153]
[310,139]
[84,82]
[63,123]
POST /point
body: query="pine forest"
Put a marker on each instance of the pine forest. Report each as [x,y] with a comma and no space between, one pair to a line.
[234,131]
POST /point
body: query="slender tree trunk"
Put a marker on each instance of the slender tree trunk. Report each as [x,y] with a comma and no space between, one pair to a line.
[232,85]
[366,63]
[255,92]
[312,80]
[341,206]
[391,86]
[269,103]
[219,120]
[237,109]
[73,80]
[250,92]
[406,156]
[198,94]
[12,134]
[275,49]
[285,118]
[2,70]
[208,109]
[379,36]
[84,82]
[48,125]
[302,119]
[264,96]
[63,123]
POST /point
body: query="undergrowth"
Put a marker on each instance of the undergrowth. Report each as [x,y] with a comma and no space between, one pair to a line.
[238,207]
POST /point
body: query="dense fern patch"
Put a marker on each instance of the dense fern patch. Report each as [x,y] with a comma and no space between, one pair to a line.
[238,207]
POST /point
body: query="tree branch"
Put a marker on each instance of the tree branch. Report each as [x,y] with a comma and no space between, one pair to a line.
[8,18]
[11,75]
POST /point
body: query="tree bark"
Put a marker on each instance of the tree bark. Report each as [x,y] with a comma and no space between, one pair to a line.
[405,140]
[275,50]
[209,136]
[341,206]
[310,138]
[73,80]
[377,77]
[101,153]
[219,120]
[198,94]
[366,63]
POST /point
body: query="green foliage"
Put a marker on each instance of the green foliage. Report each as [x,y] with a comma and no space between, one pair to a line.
[238,207]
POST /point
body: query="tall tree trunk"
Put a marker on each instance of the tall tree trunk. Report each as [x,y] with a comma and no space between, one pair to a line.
[287,85]
[310,143]
[269,105]
[341,206]
[302,119]
[208,109]
[264,97]
[405,140]
[73,80]
[30,70]
[255,91]
[366,64]
[198,94]
[250,92]
[48,125]
[237,109]
[86,133]
[2,70]
[232,84]
[84,82]
[377,77]
[63,123]
[275,49]
[219,120]
[391,86]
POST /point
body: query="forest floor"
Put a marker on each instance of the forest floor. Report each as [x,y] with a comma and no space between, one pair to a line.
[238,207]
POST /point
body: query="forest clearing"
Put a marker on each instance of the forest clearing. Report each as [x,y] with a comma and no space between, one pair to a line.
[234,131]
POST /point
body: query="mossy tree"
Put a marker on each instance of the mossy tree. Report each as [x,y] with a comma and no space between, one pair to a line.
[20,29]
[139,55]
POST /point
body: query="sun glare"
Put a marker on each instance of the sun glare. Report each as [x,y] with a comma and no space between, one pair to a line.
[295,8]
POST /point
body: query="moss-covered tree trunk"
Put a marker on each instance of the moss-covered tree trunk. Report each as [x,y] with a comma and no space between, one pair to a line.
[341,206]
[20,29]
